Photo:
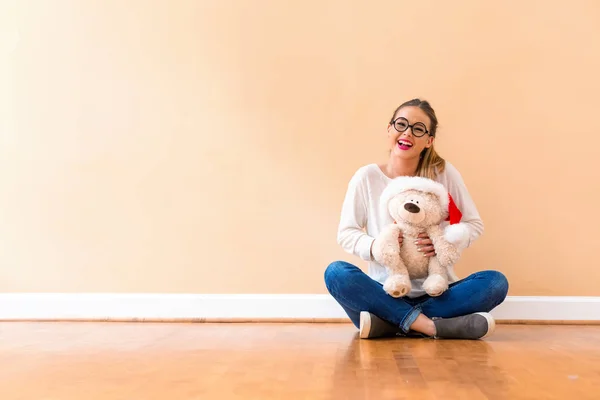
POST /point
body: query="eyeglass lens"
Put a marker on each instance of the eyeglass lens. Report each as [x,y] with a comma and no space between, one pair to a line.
[418,129]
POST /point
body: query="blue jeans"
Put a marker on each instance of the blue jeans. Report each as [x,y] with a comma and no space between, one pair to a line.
[355,291]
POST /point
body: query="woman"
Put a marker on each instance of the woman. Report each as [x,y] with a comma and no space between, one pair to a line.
[462,311]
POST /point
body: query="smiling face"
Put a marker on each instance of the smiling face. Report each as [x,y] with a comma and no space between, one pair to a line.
[407,144]
[416,208]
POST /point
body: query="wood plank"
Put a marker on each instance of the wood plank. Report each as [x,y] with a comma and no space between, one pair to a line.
[292,361]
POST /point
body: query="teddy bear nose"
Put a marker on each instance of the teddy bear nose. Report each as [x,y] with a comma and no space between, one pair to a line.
[413,208]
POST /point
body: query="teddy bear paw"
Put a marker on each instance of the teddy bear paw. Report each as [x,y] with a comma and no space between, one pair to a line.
[397,286]
[435,285]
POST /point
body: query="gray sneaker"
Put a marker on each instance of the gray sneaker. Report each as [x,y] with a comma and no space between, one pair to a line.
[472,326]
[371,326]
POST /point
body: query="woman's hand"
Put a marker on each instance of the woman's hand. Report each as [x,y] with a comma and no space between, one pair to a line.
[425,245]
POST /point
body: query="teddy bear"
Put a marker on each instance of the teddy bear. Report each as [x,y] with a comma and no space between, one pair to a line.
[414,205]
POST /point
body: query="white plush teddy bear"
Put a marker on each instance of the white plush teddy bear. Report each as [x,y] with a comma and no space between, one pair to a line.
[419,205]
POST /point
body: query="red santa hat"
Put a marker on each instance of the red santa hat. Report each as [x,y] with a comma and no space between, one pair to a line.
[457,232]
[403,183]
[454,214]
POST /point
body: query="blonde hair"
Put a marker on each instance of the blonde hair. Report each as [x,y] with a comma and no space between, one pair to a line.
[430,163]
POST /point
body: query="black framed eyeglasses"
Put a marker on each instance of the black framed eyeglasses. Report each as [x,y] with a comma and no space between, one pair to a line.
[418,128]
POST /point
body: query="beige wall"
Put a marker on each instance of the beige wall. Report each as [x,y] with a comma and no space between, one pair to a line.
[131,130]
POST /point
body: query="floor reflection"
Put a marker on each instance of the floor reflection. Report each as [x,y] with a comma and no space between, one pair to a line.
[409,367]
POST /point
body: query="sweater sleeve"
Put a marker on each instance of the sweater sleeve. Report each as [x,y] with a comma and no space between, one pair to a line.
[351,233]
[462,198]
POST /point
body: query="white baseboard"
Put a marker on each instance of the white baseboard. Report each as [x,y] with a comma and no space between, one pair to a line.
[198,307]
[549,308]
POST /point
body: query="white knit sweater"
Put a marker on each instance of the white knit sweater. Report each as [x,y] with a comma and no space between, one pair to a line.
[360,221]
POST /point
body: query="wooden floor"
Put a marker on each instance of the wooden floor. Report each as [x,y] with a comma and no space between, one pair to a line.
[62,361]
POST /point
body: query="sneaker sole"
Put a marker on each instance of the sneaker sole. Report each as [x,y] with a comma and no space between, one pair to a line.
[491,323]
[365,324]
